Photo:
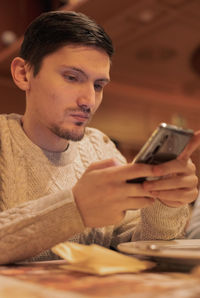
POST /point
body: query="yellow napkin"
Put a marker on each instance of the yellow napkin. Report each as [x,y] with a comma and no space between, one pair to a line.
[97,259]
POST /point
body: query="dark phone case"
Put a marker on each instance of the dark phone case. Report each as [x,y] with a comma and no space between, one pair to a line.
[165,144]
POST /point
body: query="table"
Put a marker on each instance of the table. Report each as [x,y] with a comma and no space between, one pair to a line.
[51,279]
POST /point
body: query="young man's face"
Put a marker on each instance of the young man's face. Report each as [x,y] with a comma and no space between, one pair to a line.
[67,91]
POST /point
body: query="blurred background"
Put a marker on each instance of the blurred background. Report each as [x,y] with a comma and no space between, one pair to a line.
[155,72]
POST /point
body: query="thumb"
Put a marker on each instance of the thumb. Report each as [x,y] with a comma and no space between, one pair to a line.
[191,147]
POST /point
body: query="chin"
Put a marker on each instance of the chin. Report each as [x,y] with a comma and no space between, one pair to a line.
[75,134]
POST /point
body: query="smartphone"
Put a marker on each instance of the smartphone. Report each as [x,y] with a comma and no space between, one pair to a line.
[165,144]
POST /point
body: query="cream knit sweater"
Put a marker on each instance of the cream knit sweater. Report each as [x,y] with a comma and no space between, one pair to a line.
[37,204]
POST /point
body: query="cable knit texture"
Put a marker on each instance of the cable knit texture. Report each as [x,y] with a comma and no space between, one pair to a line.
[37,204]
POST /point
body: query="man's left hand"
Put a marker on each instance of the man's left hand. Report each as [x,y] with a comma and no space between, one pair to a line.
[177,185]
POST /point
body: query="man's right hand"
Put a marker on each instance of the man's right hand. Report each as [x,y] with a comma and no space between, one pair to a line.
[102,194]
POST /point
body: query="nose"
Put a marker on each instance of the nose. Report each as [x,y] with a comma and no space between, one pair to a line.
[87,97]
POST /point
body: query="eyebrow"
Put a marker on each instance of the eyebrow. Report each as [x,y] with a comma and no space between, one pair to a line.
[106,80]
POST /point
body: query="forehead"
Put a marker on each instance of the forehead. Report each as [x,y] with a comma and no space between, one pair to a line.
[80,56]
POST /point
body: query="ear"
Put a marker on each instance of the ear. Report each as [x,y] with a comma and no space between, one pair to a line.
[20,72]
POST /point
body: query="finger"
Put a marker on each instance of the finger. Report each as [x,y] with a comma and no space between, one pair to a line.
[174,167]
[183,196]
[172,204]
[191,147]
[174,182]
[135,190]
[102,164]
[137,203]
[131,171]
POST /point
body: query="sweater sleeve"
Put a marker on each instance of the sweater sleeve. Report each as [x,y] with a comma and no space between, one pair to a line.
[33,227]
[157,222]
[160,222]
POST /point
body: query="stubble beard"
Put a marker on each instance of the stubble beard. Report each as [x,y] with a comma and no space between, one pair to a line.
[67,134]
[73,134]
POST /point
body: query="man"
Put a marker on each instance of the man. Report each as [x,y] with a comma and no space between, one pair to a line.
[62,181]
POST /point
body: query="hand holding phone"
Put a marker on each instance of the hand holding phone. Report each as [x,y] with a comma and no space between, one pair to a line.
[165,144]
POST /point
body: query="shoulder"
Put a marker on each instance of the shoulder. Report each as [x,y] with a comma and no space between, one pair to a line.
[102,144]
[7,118]
[4,122]
[9,124]
[95,136]
[3,119]
[94,133]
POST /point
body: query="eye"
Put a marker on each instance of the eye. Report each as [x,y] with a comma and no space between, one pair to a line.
[98,87]
[71,78]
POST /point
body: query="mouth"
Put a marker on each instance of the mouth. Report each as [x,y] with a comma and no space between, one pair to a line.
[80,117]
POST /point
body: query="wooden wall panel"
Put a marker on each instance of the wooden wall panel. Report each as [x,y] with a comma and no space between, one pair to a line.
[12,99]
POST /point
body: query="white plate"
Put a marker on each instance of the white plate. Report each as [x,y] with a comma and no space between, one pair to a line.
[184,251]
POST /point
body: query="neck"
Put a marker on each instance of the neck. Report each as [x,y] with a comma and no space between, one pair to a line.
[44,138]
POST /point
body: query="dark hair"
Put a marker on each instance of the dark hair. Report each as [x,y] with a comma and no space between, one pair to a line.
[53,30]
